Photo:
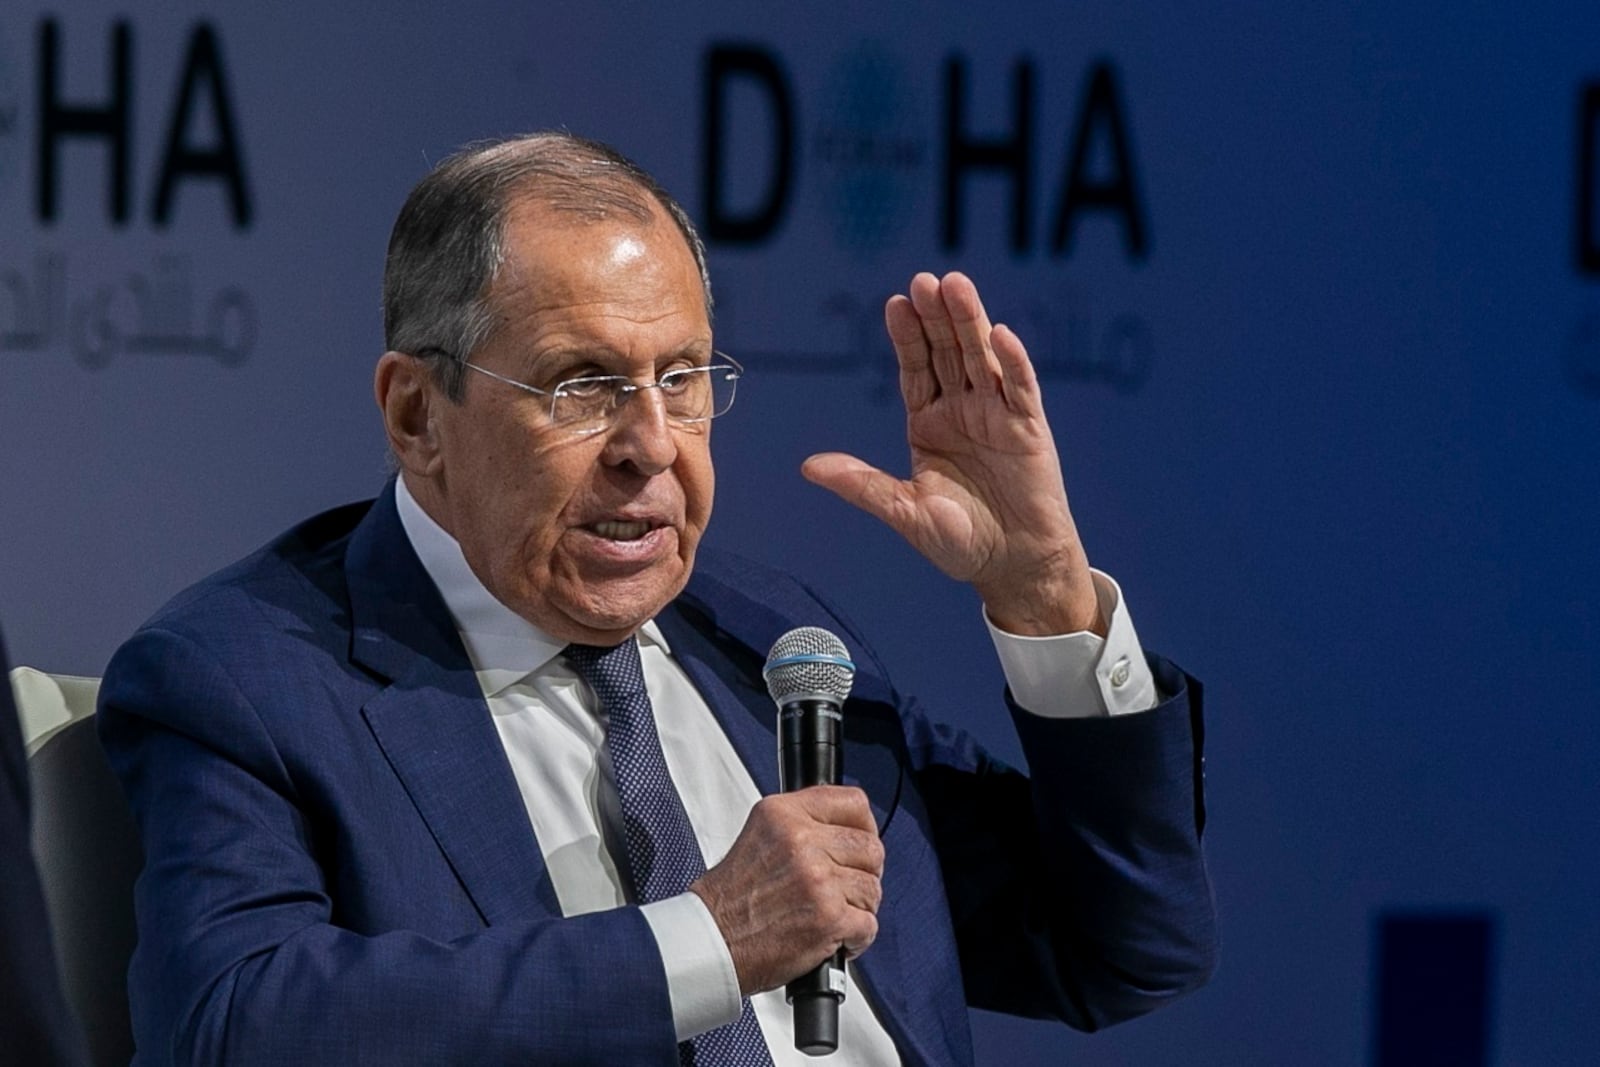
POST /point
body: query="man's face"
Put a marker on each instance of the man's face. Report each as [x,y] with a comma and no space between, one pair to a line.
[587,537]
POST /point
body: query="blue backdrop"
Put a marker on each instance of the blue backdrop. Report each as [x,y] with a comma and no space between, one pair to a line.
[1315,295]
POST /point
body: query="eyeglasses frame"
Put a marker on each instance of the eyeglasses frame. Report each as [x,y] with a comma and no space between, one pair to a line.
[623,391]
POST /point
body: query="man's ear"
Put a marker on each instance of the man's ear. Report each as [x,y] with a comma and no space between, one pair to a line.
[406,395]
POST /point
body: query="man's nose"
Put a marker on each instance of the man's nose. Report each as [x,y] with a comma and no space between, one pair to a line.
[641,433]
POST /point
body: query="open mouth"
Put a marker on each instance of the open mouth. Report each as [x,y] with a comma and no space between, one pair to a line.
[614,530]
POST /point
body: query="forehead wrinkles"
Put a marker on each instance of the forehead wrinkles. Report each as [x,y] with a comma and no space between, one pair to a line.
[554,259]
[575,277]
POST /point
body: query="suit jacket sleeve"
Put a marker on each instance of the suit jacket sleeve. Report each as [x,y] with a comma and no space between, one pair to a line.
[1079,891]
[248,955]
[1076,892]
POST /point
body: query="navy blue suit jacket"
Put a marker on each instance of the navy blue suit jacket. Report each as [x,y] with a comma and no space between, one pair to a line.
[340,870]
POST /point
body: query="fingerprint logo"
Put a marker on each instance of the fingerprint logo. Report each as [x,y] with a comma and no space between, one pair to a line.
[869,148]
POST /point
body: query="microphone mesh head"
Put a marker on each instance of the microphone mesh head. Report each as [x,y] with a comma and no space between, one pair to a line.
[809,662]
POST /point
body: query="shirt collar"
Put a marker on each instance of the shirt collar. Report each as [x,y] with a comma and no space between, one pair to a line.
[504,647]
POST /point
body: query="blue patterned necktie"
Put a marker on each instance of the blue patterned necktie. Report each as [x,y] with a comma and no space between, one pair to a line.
[663,855]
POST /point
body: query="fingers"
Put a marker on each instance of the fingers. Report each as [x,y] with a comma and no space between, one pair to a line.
[802,880]
[973,331]
[917,383]
[943,338]
[1017,377]
[855,834]
[841,869]
[857,926]
[943,346]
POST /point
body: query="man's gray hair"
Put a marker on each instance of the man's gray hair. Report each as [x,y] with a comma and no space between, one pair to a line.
[448,242]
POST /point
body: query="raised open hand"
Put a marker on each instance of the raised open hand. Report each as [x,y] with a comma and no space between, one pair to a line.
[985,501]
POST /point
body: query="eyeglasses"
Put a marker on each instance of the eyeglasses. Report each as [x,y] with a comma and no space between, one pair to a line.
[587,405]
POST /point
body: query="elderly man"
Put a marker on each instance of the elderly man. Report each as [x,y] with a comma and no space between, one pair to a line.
[482,771]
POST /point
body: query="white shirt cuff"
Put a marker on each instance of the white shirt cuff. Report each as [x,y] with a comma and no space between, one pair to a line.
[701,981]
[1080,675]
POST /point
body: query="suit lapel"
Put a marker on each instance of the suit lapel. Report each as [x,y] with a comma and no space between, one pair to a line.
[434,727]
[727,672]
[715,640]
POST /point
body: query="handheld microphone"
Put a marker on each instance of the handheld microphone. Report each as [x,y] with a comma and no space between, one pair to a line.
[808,674]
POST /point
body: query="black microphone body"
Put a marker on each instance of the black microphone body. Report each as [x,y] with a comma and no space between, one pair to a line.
[811,752]
[809,732]
[810,744]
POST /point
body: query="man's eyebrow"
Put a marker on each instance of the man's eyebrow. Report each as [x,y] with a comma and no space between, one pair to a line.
[567,356]
[700,349]
[609,360]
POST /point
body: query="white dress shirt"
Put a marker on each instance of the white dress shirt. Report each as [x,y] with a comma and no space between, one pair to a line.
[549,722]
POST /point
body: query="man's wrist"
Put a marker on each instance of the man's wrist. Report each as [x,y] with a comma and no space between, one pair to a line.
[1079,675]
[1051,602]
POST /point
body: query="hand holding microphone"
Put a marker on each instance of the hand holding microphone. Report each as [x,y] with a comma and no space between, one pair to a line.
[798,892]
[808,675]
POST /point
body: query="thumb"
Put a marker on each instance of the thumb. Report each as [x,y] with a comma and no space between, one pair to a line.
[858,482]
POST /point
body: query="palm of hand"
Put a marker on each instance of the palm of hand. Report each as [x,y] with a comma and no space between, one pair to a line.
[985,493]
[985,501]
